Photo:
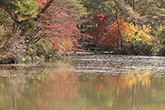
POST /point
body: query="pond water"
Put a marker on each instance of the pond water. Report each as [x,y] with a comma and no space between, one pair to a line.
[93,82]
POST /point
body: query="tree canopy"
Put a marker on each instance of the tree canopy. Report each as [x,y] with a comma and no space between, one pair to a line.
[50,28]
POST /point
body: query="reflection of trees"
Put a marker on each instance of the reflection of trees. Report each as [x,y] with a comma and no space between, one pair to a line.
[61,88]
[30,71]
[14,81]
[137,76]
[11,90]
[130,80]
[25,89]
[108,92]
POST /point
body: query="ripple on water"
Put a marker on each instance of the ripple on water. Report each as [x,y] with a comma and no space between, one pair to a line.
[115,64]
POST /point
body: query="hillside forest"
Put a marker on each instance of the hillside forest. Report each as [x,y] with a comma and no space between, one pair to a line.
[39,30]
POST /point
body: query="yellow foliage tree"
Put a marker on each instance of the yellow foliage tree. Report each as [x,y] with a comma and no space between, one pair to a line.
[137,34]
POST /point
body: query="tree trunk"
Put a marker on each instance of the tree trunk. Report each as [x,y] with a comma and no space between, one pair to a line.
[134,22]
[121,37]
[118,25]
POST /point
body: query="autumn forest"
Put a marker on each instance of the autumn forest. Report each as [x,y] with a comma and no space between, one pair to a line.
[39,30]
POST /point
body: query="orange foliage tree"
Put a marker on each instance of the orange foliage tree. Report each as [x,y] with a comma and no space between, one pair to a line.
[113,35]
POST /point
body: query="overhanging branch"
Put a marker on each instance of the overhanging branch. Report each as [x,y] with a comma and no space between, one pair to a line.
[44,9]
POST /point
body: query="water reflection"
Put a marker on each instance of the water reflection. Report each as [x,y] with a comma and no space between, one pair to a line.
[80,84]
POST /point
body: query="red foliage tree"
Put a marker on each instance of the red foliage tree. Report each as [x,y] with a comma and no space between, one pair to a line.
[107,36]
[99,31]
[57,23]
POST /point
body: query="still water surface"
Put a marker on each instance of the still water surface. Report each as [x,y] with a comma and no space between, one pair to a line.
[95,82]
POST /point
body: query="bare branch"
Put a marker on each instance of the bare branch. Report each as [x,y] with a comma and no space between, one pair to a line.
[16,20]
[128,10]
